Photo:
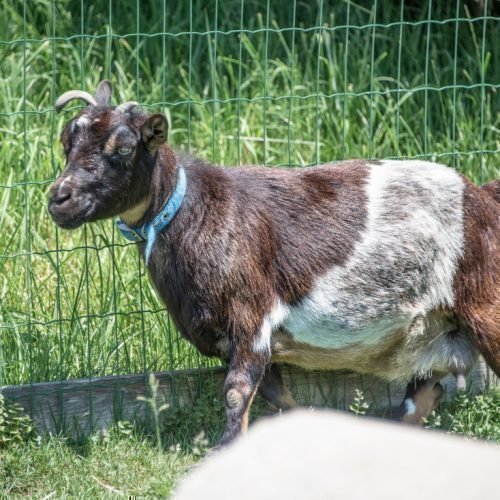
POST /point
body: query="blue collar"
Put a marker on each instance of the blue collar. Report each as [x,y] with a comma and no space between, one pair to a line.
[150,230]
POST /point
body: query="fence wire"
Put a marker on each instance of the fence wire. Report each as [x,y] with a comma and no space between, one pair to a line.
[263,82]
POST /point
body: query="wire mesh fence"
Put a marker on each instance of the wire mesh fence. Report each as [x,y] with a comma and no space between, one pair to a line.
[265,82]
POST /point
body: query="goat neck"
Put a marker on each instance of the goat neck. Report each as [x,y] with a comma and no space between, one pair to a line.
[163,180]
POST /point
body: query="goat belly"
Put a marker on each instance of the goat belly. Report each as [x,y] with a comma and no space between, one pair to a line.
[385,310]
[434,343]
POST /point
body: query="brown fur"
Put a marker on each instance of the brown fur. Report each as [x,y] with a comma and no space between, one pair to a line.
[477,283]
[248,254]
[493,189]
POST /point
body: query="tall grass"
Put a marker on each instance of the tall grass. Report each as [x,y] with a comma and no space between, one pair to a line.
[241,82]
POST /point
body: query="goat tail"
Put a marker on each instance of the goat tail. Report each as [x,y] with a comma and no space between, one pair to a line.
[493,189]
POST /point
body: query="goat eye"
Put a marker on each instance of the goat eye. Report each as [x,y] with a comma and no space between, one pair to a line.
[124,151]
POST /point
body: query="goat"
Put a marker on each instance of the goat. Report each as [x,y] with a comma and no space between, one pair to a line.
[383,267]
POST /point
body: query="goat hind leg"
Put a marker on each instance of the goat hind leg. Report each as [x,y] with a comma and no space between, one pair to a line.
[274,391]
[421,399]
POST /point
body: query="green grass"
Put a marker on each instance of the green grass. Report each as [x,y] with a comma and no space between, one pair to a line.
[475,417]
[102,467]
[127,460]
[299,86]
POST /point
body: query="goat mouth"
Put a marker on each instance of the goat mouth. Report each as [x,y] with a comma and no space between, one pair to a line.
[71,221]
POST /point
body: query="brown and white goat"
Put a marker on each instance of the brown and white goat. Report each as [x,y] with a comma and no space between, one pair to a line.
[383,267]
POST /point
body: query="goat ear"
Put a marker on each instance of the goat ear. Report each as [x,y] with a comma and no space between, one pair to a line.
[154,132]
[103,93]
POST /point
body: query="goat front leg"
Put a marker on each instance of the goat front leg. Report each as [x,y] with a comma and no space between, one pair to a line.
[246,369]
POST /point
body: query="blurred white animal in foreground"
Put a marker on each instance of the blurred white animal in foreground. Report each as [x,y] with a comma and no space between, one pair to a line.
[326,455]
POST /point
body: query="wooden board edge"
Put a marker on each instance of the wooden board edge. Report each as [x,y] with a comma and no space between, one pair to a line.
[81,407]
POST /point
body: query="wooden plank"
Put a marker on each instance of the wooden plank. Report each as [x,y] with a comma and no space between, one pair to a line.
[338,390]
[79,407]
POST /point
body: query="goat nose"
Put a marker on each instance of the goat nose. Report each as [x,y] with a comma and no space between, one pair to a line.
[61,193]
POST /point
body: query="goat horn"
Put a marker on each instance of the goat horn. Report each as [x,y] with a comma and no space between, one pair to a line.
[127,106]
[74,94]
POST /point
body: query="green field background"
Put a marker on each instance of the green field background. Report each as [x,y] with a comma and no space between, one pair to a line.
[275,83]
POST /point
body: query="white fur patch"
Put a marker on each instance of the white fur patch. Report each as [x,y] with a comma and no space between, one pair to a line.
[410,407]
[83,121]
[401,269]
[271,321]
